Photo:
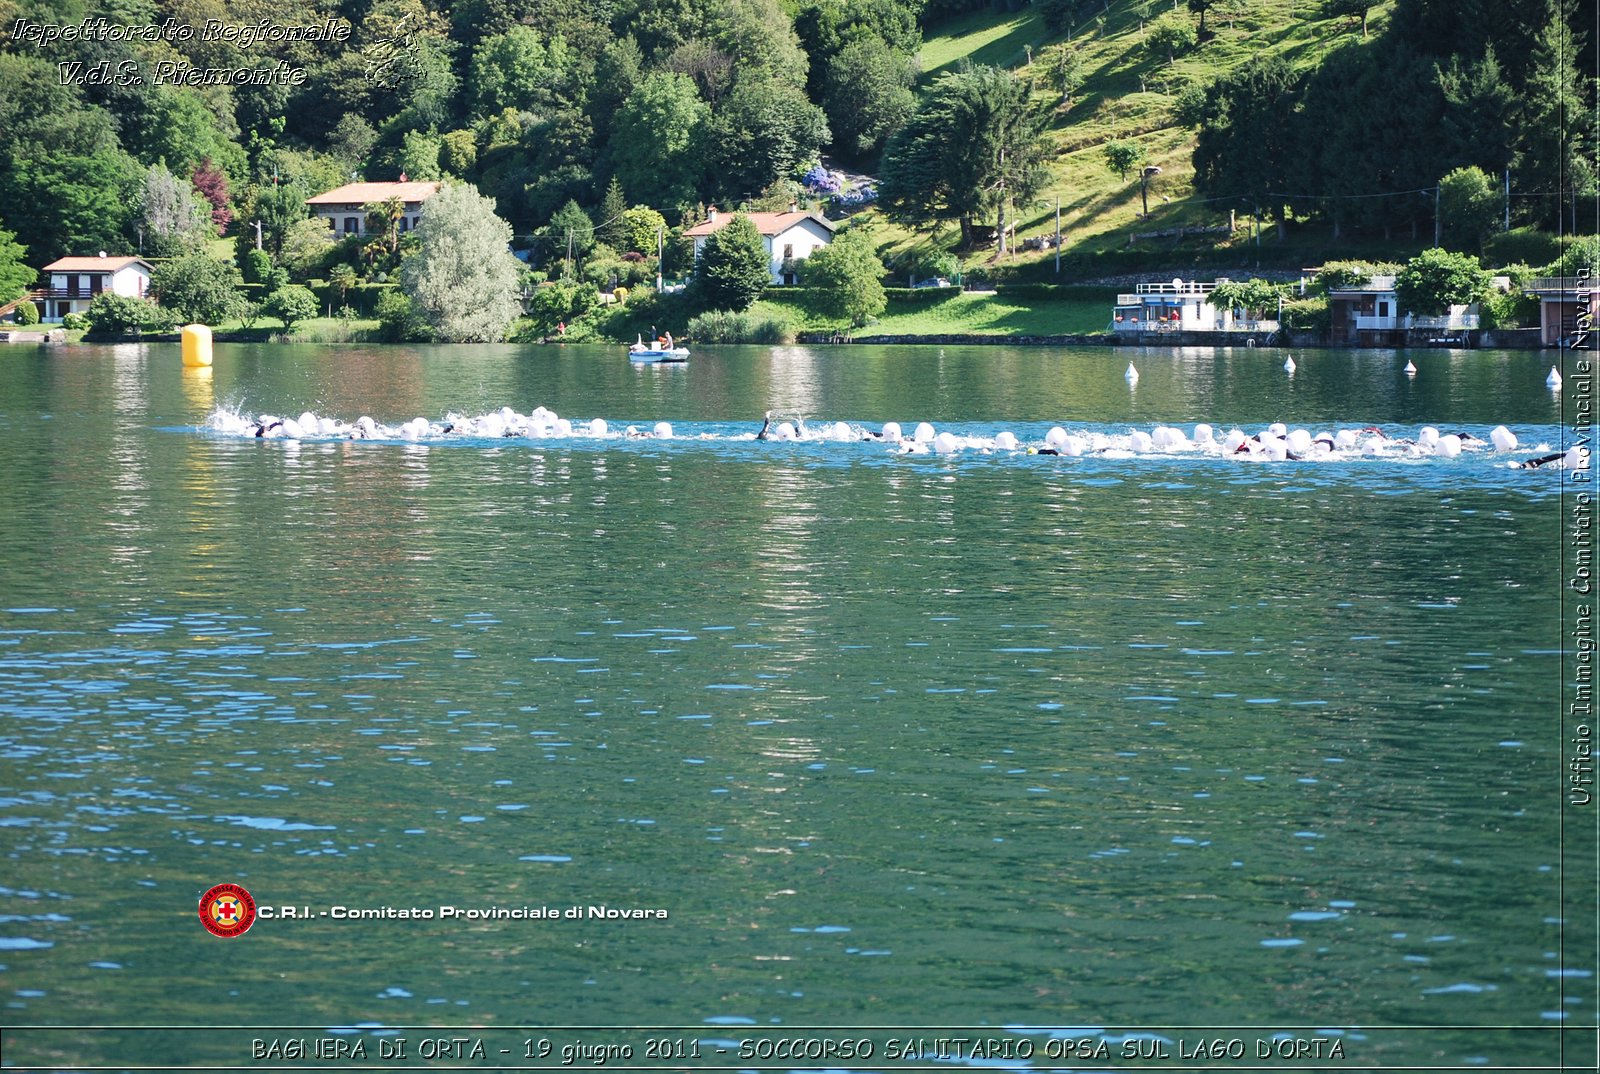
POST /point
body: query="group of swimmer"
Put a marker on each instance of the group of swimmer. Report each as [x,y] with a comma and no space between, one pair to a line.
[1276,442]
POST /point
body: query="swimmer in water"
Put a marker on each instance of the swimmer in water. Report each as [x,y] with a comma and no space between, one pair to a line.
[766,425]
[263,430]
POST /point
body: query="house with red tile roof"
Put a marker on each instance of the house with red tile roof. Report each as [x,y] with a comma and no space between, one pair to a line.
[789,238]
[69,284]
[343,209]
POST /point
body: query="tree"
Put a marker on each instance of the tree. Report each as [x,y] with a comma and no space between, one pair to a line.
[1469,208]
[1200,7]
[975,142]
[1252,296]
[305,246]
[197,288]
[867,94]
[658,141]
[463,276]
[255,266]
[1357,9]
[75,203]
[848,278]
[733,268]
[343,277]
[641,227]
[517,69]
[171,218]
[1436,279]
[177,126]
[571,231]
[291,303]
[1168,36]
[458,154]
[1123,156]
[212,184]
[765,130]
[612,229]
[1249,144]
[15,276]
[1063,70]
[385,216]
[419,156]
[351,139]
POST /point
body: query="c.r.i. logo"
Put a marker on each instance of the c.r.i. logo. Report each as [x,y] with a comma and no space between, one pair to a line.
[227,910]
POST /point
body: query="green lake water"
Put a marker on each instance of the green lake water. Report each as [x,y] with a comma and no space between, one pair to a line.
[1105,748]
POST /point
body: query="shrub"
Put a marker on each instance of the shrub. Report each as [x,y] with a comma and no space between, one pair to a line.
[1508,309]
[1581,258]
[1307,315]
[1527,245]
[75,322]
[120,315]
[27,313]
[728,326]
[290,304]
[399,320]
[255,266]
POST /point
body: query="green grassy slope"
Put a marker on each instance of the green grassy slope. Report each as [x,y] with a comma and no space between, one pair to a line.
[1130,94]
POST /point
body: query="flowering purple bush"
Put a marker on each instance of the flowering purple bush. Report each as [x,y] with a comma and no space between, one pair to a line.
[822,181]
[865,194]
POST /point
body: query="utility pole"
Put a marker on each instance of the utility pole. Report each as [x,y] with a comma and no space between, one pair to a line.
[660,286]
[1144,186]
[1058,235]
[1435,216]
[257,223]
[1508,198]
[566,265]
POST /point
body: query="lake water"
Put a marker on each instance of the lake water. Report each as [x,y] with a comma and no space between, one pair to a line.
[1125,750]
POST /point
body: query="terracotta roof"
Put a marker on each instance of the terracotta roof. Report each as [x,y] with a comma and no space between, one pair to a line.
[766,223]
[93,264]
[362,193]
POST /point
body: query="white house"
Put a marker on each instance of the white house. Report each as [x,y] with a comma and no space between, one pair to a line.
[789,238]
[74,281]
[343,207]
[1368,314]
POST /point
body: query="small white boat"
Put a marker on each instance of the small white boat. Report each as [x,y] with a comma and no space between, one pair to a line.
[659,355]
[657,352]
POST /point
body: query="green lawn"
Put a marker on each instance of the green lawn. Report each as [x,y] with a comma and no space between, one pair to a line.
[1129,93]
[1077,311]
[983,37]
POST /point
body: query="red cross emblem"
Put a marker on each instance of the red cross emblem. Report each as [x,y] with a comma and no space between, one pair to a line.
[227,910]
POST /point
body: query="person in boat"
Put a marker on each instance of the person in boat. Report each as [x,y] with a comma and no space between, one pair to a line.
[669,341]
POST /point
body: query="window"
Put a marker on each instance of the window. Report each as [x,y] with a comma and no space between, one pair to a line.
[352,225]
[788,251]
[1383,309]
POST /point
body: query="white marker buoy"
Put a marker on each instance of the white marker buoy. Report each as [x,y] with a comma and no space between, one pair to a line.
[1553,380]
[1131,375]
[1410,370]
[1288,364]
[1503,439]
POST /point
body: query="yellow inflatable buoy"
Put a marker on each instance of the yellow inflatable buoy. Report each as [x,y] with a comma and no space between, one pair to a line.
[196,345]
